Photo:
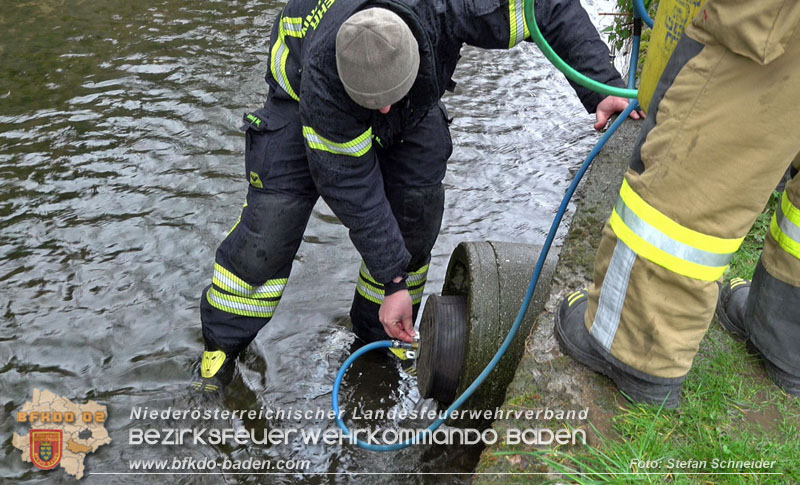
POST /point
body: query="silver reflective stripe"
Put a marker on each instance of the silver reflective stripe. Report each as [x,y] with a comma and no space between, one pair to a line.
[415,278]
[419,276]
[612,295]
[367,291]
[519,20]
[415,281]
[666,243]
[236,304]
[364,273]
[265,290]
[787,226]
[369,288]
[293,26]
[231,283]
[340,148]
[277,66]
[416,294]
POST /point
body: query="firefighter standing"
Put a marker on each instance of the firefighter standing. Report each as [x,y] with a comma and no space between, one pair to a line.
[721,131]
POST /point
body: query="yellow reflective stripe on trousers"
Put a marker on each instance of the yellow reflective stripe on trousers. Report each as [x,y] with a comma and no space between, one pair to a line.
[354,148]
[238,219]
[657,238]
[416,294]
[364,273]
[279,55]
[232,284]
[375,295]
[519,29]
[419,276]
[247,307]
[785,226]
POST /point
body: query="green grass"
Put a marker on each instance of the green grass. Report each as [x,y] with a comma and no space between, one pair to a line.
[729,410]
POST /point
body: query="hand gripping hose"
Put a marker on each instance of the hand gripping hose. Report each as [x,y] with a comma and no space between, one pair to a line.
[514,328]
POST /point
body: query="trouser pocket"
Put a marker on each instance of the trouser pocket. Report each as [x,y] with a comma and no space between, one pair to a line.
[261,128]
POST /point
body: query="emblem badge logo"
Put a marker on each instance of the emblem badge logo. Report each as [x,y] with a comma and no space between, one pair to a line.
[46,447]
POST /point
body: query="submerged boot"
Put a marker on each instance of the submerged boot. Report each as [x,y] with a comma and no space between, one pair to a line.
[578,344]
[215,371]
[408,360]
[732,310]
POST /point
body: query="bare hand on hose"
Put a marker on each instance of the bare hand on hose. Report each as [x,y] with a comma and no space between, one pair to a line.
[396,316]
[610,106]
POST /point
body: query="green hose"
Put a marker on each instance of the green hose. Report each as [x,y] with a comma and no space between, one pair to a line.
[572,74]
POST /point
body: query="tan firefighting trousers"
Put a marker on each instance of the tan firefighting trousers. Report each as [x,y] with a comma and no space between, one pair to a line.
[722,129]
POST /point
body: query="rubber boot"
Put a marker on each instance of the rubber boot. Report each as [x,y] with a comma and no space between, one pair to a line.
[576,342]
[765,313]
[215,371]
[731,307]
[790,172]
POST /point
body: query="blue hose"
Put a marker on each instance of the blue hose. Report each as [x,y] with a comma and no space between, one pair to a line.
[640,10]
[637,40]
[514,328]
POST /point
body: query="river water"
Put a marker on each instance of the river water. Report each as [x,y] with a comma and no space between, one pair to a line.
[121,167]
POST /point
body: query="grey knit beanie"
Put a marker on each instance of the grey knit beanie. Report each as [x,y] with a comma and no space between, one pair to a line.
[377,57]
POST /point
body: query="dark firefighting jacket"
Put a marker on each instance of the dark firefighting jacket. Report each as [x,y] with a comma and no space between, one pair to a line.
[339,134]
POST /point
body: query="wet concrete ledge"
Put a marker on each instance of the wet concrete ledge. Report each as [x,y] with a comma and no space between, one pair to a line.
[546,379]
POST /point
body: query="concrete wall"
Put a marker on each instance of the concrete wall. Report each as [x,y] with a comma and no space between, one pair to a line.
[546,380]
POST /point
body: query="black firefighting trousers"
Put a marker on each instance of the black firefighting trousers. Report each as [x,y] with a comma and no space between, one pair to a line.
[253,263]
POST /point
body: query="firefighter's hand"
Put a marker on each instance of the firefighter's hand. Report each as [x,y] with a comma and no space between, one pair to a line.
[610,106]
[396,316]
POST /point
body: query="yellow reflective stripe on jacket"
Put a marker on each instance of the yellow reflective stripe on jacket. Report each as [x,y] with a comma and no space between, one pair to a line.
[232,284]
[247,307]
[659,239]
[373,291]
[354,148]
[292,26]
[376,295]
[417,277]
[785,226]
[278,57]
[519,29]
